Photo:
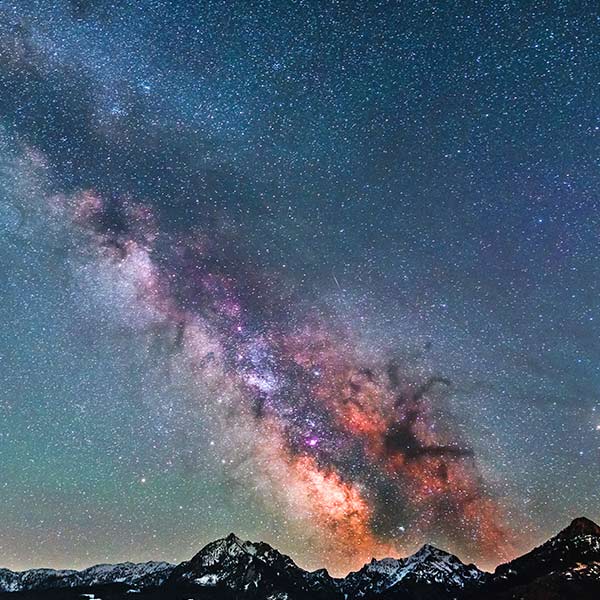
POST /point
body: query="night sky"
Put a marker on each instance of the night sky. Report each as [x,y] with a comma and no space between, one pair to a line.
[322,273]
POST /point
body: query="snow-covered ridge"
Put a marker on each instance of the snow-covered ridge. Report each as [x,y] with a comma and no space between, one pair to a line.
[258,571]
[134,574]
[428,565]
[242,565]
[236,564]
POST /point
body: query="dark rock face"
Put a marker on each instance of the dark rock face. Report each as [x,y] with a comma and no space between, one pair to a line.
[566,566]
[580,526]
[251,570]
[139,575]
[568,561]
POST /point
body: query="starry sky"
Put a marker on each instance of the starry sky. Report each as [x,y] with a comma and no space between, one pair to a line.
[323,273]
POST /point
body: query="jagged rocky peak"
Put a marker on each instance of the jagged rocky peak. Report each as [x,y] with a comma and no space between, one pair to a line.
[232,546]
[232,550]
[435,565]
[241,566]
[581,539]
[580,526]
[429,565]
[429,552]
[562,556]
[383,565]
[216,551]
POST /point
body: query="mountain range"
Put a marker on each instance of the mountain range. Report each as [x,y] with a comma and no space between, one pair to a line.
[566,566]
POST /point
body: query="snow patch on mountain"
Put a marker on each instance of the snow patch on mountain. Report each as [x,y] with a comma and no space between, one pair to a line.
[428,565]
[135,574]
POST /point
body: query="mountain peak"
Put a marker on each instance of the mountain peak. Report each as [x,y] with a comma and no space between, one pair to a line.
[427,550]
[233,539]
[429,565]
[563,555]
[580,526]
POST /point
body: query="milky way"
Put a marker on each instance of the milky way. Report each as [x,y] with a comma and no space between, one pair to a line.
[357,442]
[323,275]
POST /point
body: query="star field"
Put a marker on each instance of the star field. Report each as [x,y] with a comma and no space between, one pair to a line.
[321,273]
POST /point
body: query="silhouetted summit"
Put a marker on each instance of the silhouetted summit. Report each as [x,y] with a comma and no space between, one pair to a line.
[580,526]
